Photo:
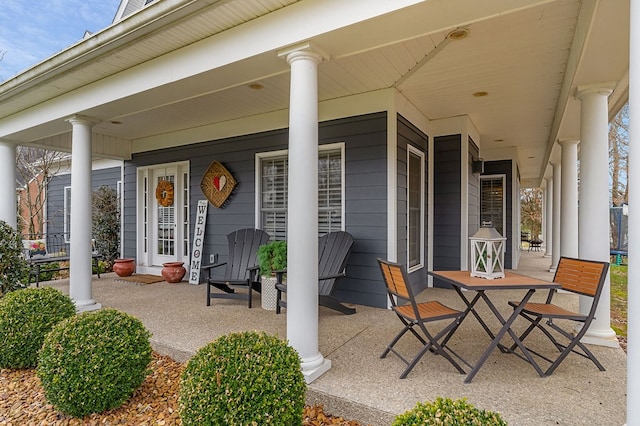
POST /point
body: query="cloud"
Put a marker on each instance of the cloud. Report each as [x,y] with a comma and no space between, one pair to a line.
[28,37]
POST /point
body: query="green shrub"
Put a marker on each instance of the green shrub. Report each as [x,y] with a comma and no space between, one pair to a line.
[447,412]
[106,223]
[272,257]
[26,316]
[94,361]
[243,379]
[14,270]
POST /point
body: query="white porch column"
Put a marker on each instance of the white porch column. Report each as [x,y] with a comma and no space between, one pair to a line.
[80,287]
[302,229]
[593,220]
[548,208]
[555,218]
[8,174]
[633,301]
[569,192]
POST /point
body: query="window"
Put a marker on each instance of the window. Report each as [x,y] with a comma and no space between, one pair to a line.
[492,209]
[273,189]
[67,213]
[415,212]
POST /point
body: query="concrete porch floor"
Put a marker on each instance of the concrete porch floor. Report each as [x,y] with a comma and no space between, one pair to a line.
[361,386]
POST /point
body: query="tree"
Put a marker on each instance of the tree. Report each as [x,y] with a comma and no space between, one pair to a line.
[531,210]
[106,223]
[618,156]
[35,168]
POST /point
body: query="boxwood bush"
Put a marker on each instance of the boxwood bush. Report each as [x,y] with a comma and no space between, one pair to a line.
[94,361]
[243,379]
[448,412]
[14,270]
[26,316]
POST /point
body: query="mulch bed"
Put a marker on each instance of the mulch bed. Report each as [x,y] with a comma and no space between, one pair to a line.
[22,402]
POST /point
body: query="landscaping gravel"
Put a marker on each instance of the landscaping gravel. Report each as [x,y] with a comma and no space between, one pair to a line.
[22,402]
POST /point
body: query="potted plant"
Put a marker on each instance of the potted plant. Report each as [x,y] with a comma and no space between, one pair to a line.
[272,257]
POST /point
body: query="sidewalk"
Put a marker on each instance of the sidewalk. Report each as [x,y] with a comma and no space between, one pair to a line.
[361,386]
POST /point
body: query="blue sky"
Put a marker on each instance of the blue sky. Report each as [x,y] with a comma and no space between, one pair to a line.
[33,30]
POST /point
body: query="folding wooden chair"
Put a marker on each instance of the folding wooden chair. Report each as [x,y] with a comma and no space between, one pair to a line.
[414,314]
[584,277]
[241,267]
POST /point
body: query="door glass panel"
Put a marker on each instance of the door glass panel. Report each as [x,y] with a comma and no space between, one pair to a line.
[166,223]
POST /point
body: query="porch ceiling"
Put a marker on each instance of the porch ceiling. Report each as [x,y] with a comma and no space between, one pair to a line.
[528,56]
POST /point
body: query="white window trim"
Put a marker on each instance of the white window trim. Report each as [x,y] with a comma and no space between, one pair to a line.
[503,178]
[279,153]
[66,227]
[415,151]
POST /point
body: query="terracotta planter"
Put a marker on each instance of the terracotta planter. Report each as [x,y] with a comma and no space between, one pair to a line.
[124,267]
[173,272]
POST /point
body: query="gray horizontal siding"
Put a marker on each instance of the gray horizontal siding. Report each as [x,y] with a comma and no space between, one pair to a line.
[365,194]
[55,194]
[447,208]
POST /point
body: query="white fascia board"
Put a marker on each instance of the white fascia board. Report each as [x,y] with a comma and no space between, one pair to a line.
[105,163]
[449,126]
[365,103]
[495,154]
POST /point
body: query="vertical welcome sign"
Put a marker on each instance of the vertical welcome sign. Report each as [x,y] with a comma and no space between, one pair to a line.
[198,242]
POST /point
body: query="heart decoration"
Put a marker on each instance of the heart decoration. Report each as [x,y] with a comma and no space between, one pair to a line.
[219,182]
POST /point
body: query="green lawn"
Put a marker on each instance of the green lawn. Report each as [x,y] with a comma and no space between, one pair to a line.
[619,299]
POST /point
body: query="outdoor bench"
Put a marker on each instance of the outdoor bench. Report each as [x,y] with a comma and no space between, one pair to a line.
[46,249]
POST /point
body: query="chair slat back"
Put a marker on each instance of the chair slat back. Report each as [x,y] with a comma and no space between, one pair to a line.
[396,281]
[333,253]
[585,277]
[243,252]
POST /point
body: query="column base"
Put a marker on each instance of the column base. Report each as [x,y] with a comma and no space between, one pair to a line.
[552,268]
[601,338]
[86,305]
[313,373]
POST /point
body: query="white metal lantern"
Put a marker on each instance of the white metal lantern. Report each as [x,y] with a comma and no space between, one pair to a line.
[487,253]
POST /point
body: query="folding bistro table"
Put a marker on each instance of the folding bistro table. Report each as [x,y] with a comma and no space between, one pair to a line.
[462,280]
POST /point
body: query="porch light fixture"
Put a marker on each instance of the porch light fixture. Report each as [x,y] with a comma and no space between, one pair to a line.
[487,253]
[480,94]
[256,86]
[458,34]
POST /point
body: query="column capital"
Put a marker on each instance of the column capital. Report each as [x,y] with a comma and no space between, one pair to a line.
[568,142]
[305,50]
[82,119]
[603,89]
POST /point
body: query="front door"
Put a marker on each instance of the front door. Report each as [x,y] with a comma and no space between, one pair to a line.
[164,208]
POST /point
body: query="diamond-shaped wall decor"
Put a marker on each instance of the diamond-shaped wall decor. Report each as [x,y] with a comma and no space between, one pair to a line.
[217,184]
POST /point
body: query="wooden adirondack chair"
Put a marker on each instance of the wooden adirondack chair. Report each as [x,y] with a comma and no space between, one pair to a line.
[241,266]
[333,253]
